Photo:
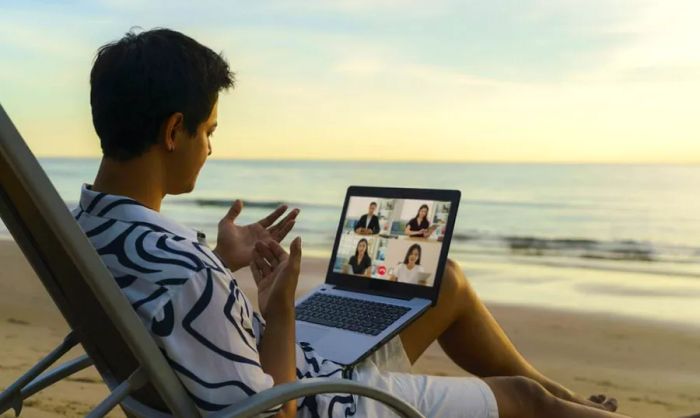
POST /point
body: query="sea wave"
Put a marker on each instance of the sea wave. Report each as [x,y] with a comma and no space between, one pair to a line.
[261,204]
[271,204]
[475,241]
[248,203]
[515,203]
[581,248]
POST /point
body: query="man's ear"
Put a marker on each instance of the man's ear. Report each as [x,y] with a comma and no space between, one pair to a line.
[171,129]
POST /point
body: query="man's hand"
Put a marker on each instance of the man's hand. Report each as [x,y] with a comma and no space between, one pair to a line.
[276,274]
[235,243]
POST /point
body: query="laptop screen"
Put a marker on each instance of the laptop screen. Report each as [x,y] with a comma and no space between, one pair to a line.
[394,236]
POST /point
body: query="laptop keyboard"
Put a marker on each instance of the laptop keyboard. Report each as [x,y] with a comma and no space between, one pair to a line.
[350,314]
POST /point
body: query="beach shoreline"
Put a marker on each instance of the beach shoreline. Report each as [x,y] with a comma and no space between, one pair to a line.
[651,367]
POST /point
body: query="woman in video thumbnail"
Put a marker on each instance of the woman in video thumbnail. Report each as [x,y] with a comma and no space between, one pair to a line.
[410,270]
[361,263]
[419,226]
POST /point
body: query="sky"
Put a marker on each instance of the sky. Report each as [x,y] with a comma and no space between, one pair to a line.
[608,81]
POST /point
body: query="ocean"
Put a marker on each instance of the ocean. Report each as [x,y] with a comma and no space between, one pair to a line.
[563,220]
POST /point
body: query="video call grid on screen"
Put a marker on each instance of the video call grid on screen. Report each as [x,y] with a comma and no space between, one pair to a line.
[392,239]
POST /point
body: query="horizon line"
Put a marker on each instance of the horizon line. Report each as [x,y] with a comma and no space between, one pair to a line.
[475,162]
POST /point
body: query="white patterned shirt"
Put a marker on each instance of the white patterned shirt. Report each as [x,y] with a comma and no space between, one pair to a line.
[193,307]
[406,275]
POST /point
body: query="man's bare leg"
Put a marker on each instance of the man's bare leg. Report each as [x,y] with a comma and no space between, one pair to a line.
[473,339]
[520,397]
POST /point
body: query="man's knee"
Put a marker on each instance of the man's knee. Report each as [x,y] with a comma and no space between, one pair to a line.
[454,280]
[452,270]
[519,396]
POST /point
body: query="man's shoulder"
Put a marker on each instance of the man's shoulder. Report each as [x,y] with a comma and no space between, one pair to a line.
[162,246]
[152,244]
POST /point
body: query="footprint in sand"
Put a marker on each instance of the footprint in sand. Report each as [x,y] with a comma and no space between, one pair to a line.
[17,321]
[690,398]
[602,383]
[649,400]
[84,380]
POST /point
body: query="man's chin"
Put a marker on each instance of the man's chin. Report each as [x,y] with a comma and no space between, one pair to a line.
[187,188]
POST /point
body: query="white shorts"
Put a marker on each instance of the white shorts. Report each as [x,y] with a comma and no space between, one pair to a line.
[434,396]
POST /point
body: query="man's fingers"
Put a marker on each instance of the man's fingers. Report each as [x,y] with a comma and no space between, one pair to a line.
[234,211]
[267,254]
[262,264]
[291,216]
[272,217]
[279,234]
[282,228]
[257,275]
[277,250]
[295,251]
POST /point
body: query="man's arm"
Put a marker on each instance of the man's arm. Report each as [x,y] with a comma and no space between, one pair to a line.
[375,225]
[276,275]
[208,338]
[277,351]
[359,223]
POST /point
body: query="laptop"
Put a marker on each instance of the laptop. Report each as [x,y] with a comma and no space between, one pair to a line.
[378,282]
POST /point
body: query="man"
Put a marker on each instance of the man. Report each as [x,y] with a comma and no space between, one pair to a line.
[368,224]
[154,99]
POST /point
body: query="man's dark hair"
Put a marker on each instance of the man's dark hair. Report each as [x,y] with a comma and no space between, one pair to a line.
[373,203]
[140,80]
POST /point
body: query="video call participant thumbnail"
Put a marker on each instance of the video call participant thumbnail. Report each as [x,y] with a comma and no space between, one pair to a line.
[410,271]
[419,226]
[361,263]
[368,224]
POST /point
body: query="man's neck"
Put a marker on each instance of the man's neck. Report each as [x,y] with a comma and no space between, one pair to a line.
[139,179]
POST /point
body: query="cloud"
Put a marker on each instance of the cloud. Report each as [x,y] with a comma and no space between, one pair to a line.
[661,45]
[592,80]
[56,45]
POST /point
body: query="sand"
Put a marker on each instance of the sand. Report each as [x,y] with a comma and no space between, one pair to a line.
[652,368]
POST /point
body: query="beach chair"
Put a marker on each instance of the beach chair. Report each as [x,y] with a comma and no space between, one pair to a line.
[100,317]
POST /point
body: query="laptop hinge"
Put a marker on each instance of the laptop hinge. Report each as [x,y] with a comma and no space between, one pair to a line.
[373,292]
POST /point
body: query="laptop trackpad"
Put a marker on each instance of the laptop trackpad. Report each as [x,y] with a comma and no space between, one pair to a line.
[310,333]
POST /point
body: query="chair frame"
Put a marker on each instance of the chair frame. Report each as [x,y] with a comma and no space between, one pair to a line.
[54,244]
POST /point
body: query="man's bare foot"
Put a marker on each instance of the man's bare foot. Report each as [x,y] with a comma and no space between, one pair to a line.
[595,401]
[609,404]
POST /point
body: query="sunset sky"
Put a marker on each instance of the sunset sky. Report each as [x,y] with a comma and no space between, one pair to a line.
[441,80]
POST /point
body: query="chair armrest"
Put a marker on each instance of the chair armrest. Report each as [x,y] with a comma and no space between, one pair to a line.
[256,404]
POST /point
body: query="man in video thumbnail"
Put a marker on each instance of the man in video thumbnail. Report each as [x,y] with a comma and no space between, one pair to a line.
[368,224]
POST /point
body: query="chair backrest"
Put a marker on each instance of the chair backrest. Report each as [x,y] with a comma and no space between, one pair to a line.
[77,280]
